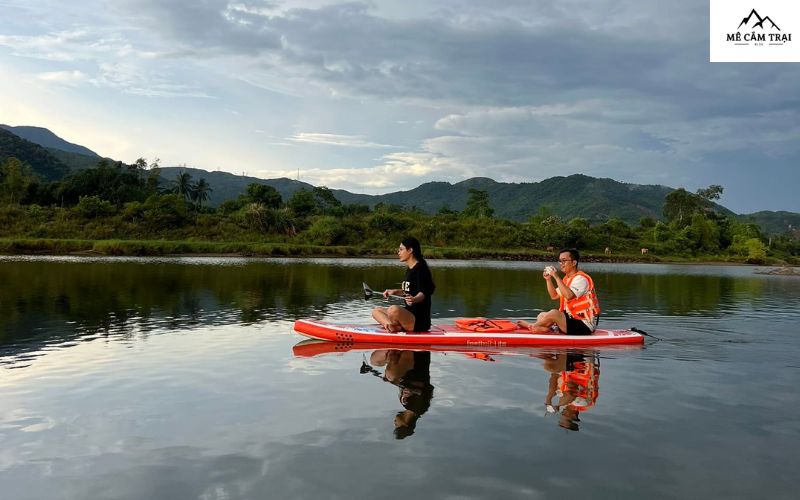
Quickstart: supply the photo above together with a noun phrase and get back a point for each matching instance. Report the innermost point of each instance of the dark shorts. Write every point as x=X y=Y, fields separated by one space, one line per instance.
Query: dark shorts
x=576 y=326
x=421 y=325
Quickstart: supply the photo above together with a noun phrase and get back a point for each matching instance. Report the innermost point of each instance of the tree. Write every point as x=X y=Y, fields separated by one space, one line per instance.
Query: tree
x=303 y=202
x=680 y=205
x=91 y=207
x=182 y=185
x=15 y=177
x=201 y=192
x=703 y=233
x=153 y=177
x=264 y=194
x=478 y=204
x=756 y=251
x=446 y=210
x=712 y=192
x=117 y=183
x=327 y=201
x=647 y=222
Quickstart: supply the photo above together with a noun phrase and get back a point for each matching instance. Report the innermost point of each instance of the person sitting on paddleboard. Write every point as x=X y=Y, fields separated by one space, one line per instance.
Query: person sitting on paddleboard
x=416 y=291
x=579 y=309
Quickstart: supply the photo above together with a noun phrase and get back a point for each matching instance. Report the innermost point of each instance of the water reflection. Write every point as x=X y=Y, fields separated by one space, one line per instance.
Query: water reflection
x=46 y=300
x=574 y=381
x=175 y=378
x=410 y=371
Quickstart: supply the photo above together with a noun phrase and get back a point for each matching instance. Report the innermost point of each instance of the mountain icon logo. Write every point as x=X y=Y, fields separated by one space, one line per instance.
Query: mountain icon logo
x=759 y=24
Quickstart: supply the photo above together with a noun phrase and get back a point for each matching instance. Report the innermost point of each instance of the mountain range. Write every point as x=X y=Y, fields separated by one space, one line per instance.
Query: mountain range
x=48 y=139
x=595 y=199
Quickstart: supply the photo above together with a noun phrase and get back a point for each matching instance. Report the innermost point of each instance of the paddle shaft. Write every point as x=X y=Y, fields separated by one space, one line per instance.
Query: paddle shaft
x=369 y=292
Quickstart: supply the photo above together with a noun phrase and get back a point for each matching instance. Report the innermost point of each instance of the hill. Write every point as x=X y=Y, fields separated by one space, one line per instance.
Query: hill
x=47 y=139
x=41 y=161
x=568 y=197
x=595 y=199
x=228 y=186
x=77 y=161
x=774 y=222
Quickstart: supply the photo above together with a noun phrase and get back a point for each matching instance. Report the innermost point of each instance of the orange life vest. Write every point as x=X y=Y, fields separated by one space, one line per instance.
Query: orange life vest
x=486 y=325
x=585 y=377
x=584 y=307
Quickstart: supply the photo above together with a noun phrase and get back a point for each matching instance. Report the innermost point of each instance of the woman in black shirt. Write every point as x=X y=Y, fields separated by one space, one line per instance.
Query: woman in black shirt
x=416 y=290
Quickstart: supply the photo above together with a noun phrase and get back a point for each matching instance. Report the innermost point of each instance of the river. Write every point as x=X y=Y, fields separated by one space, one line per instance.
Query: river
x=181 y=378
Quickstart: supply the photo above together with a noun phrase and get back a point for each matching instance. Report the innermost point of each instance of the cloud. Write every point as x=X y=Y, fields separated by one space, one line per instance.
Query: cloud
x=516 y=90
x=398 y=171
x=353 y=141
x=70 y=78
x=130 y=79
x=595 y=137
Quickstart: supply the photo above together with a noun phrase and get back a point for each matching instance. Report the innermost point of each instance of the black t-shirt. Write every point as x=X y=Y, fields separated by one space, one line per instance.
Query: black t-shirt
x=419 y=279
x=418 y=381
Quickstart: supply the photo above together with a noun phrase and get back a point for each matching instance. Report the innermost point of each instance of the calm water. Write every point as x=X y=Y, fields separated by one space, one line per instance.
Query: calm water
x=177 y=378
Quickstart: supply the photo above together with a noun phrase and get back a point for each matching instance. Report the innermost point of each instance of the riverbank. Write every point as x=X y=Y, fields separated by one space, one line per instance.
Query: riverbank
x=46 y=246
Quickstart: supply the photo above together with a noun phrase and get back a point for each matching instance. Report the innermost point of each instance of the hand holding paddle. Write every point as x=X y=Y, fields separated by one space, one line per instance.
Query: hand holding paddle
x=369 y=292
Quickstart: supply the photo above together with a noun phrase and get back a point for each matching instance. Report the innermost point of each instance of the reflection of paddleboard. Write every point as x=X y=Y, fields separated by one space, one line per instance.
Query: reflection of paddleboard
x=310 y=348
x=453 y=335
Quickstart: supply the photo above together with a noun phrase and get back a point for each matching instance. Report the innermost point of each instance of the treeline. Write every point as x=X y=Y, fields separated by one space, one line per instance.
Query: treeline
x=127 y=202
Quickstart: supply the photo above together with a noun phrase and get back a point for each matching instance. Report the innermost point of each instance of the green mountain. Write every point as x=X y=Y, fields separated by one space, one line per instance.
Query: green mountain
x=77 y=161
x=229 y=186
x=774 y=222
x=577 y=195
x=40 y=160
x=47 y=139
x=568 y=197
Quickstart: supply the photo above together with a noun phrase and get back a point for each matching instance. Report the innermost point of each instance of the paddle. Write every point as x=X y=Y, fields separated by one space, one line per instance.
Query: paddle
x=365 y=368
x=369 y=292
x=634 y=329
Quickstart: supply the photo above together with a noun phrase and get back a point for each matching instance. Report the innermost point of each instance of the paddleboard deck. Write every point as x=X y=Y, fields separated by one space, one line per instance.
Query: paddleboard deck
x=451 y=334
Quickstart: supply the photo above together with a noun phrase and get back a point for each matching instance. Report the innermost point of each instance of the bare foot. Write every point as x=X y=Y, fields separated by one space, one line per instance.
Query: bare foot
x=540 y=329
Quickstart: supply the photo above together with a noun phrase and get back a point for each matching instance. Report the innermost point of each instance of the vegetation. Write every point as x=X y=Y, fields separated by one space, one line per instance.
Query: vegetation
x=117 y=209
x=47 y=165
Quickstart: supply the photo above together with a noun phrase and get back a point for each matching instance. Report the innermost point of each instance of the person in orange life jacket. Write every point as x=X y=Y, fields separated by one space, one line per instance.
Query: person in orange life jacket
x=579 y=309
x=416 y=291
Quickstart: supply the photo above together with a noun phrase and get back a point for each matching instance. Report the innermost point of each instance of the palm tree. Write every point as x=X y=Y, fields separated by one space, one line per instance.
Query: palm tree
x=183 y=185
x=201 y=192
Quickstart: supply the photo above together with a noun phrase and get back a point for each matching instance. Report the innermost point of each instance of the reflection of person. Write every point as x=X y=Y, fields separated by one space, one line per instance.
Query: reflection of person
x=410 y=371
x=578 y=309
x=574 y=379
x=416 y=291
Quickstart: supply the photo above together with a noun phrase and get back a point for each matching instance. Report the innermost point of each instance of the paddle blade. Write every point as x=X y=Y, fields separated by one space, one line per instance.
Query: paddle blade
x=368 y=292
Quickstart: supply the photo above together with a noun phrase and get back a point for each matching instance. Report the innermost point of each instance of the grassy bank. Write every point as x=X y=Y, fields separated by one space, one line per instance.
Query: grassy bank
x=47 y=246
x=42 y=246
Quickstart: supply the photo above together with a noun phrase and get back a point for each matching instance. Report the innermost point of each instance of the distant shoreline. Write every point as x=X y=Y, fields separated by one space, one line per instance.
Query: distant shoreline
x=162 y=248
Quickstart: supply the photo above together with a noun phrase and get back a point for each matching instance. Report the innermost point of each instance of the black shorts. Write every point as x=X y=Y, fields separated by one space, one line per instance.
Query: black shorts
x=423 y=325
x=576 y=326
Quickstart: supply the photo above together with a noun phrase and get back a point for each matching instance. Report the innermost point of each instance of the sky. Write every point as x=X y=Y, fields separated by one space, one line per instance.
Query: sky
x=382 y=96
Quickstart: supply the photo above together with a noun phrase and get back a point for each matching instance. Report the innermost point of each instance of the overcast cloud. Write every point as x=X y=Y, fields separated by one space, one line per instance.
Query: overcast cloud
x=382 y=96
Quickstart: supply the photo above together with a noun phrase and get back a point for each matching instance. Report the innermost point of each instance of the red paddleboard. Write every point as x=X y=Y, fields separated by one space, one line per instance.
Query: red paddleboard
x=451 y=334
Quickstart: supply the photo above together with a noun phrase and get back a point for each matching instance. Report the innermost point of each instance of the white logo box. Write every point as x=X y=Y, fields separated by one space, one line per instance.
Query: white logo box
x=771 y=32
